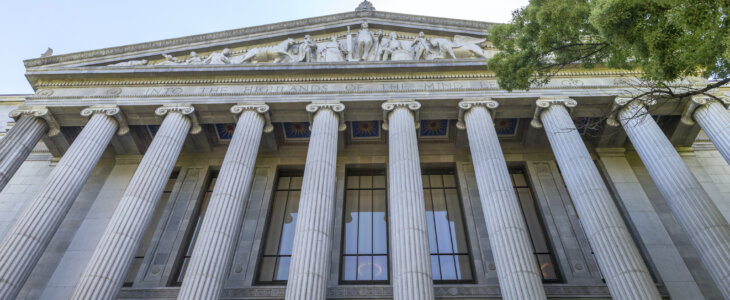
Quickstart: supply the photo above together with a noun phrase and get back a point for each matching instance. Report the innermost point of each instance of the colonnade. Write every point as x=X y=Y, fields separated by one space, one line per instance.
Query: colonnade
x=519 y=277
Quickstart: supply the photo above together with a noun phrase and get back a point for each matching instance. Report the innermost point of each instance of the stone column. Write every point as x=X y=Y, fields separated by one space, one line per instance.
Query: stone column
x=218 y=234
x=28 y=238
x=311 y=252
x=714 y=118
x=105 y=272
x=32 y=123
x=517 y=269
x=623 y=268
x=410 y=254
x=695 y=212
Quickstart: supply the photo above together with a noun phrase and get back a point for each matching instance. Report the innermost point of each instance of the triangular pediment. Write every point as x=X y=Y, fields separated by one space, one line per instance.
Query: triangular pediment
x=328 y=39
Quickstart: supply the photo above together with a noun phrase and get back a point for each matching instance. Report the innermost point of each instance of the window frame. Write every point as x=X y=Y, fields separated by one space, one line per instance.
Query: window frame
x=340 y=272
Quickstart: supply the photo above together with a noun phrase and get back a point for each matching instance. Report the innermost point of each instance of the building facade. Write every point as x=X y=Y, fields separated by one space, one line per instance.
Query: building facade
x=361 y=155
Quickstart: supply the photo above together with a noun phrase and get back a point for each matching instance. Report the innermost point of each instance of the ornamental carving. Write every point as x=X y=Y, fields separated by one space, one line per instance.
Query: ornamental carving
x=111 y=111
x=364 y=45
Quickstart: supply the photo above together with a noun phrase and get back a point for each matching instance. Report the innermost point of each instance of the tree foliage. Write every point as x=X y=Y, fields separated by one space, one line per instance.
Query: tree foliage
x=666 y=40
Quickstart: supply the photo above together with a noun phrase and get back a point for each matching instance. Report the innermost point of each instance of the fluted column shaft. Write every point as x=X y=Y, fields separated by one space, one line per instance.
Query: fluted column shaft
x=695 y=212
x=30 y=235
x=517 y=270
x=211 y=259
x=105 y=272
x=714 y=119
x=18 y=143
x=310 y=261
x=411 y=259
x=624 y=270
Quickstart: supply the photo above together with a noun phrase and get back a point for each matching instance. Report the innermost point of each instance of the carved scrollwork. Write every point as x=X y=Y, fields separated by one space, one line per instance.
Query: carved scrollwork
x=467 y=104
x=112 y=111
x=545 y=102
x=698 y=101
x=260 y=108
x=390 y=106
x=184 y=109
x=38 y=112
x=622 y=102
x=337 y=107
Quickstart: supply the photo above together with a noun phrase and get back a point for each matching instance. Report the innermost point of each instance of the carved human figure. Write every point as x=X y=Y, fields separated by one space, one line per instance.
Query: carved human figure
x=194 y=59
x=332 y=51
x=308 y=49
x=140 y=62
x=420 y=45
x=389 y=45
x=219 y=58
x=377 y=42
x=169 y=60
x=365 y=40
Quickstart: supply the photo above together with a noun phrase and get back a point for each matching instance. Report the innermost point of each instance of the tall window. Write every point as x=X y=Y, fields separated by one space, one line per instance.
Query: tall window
x=450 y=259
x=147 y=239
x=540 y=244
x=365 y=243
x=192 y=235
x=274 y=267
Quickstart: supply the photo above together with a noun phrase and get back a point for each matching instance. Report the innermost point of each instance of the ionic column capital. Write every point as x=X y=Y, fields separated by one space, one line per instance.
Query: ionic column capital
x=111 y=111
x=258 y=107
x=336 y=107
x=699 y=100
x=620 y=103
x=545 y=102
x=38 y=112
x=391 y=105
x=467 y=104
x=185 y=110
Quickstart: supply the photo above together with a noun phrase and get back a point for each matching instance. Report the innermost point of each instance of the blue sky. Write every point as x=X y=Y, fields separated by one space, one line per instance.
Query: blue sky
x=28 y=27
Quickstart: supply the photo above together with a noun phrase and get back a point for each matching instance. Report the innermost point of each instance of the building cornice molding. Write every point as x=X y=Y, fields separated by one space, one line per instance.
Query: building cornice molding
x=235 y=35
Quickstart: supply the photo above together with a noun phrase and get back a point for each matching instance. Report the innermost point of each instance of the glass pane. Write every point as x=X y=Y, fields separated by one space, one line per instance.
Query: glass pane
x=364 y=268
x=435 y=269
x=379 y=182
x=290 y=223
x=380 y=268
x=432 y=245
x=353 y=182
x=449 y=181
x=366 y=182
x=267 y=269
x=170 y=184
x=283 y=183
x=426 y=183
x=380 y=223
x=133 y=270
x=211 y=186
x=351 y=221
x=532 y=220
x=296 y=183
x=519 y=180
x=365 y=227
x=275 y=223
x=547 y=266
x=183 y=268
x=443 y=228
x=458 y=234
x=463 y=267
x=282 y=268
x=448 y=268
x=349 y=268
x=436 y=181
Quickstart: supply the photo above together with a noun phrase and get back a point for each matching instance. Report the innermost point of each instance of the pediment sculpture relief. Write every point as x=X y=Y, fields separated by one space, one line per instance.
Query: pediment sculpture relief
x=365 y=45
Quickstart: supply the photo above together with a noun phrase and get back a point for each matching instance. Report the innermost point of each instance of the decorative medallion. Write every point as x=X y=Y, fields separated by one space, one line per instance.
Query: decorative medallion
x=365 y=129
x=44 y=92
x=298 y=130
x=506 y=127
x=434 y=128
x=225 y=131
x=114 y=91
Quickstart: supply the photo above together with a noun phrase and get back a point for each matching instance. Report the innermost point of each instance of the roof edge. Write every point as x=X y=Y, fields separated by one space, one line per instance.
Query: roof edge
x=213 y=36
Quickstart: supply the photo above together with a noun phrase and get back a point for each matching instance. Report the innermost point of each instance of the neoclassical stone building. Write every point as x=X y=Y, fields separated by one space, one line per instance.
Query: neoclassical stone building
x=361 y=155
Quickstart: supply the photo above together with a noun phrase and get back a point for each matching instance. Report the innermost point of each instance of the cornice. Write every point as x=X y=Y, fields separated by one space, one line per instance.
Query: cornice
x=231 y=35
